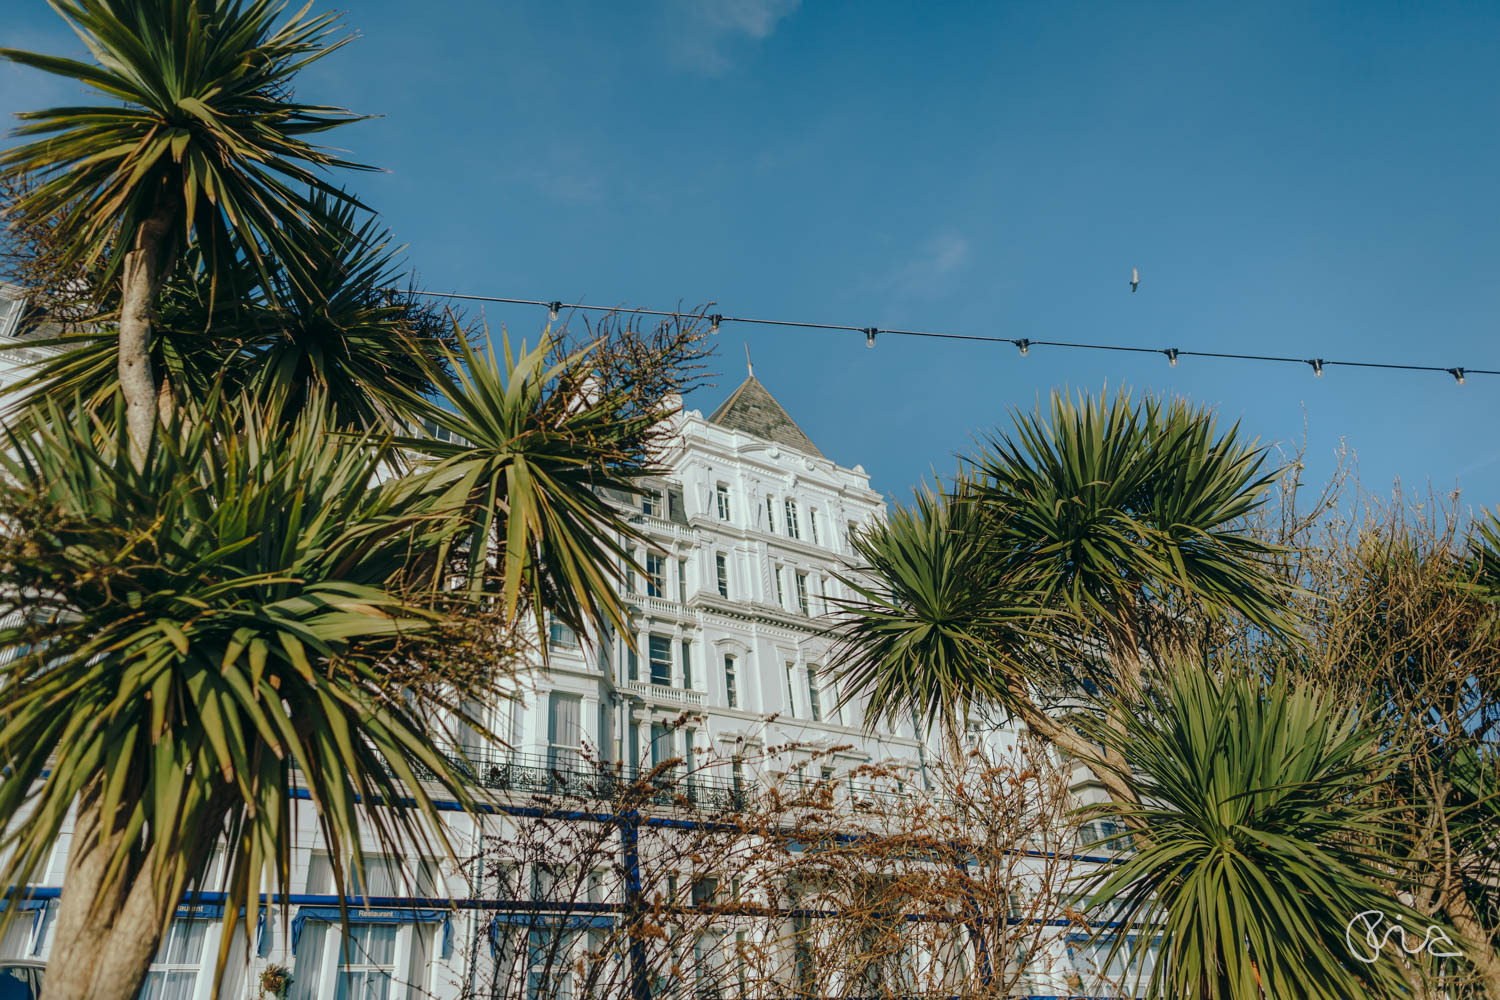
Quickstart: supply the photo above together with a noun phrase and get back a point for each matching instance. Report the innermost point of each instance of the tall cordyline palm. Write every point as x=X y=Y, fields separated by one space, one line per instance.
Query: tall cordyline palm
x=1262 y=802
x=201 y=140
x=1111 y=522
x=529 y=449
x=930 y=632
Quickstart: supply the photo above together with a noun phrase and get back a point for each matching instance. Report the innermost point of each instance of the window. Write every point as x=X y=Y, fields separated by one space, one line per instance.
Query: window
x=791 y=690
x=632 y=663
x=721 y=494
x=661 y=744
x=802 y=594
x=770 y=514
x=687 y=663
x=368 y=963
x=559 y=634
x=780 y=593
x=814 y=702
x=564 y=733
x=10 y=314
x=656 y=571
x=661 y=660
x=721 y=570
x=651 y=502
x=812 y=524
x=793 y=526
x=730 y=694
x=174 y=970
x=682 y=581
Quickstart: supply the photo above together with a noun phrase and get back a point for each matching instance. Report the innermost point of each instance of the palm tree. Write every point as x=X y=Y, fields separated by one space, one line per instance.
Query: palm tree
x=1118 y=525
x=1262 y=802
x=201 y=140
x=358 y=342
x=529 y=450
x=929 y=634
x=260 y=606
x=201 y=634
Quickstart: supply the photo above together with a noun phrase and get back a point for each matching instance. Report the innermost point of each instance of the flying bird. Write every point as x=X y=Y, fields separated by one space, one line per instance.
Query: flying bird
x=1135 y=279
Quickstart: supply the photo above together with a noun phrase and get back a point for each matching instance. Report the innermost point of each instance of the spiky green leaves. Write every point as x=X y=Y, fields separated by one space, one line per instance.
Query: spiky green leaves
x=1106 y=506
x=195 y=638
x=198 y=120
x=1260 y=801
x=939 y=632
x=532 y=449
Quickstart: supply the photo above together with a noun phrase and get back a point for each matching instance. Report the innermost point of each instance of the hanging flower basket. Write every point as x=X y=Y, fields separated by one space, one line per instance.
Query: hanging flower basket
x=275 y=981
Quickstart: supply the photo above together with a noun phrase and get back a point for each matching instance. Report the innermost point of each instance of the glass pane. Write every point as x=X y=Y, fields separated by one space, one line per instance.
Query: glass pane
x=365 y=985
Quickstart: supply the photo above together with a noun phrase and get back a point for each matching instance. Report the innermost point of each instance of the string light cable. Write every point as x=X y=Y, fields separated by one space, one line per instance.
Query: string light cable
x=555 y=308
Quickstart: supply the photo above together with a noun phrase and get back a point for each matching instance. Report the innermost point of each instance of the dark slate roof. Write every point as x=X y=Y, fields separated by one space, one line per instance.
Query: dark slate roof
x=751 y=408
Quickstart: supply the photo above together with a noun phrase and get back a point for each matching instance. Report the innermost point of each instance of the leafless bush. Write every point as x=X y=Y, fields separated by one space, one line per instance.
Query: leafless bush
x=685 y=884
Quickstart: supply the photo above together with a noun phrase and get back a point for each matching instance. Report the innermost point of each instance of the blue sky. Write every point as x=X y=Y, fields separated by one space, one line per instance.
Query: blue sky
x=1308 y=179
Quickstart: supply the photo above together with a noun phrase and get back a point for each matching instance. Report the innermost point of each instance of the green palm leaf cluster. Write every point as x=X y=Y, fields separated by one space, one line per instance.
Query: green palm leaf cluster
x=933 y=635
x=358 y=343
x=206 y=633
x=533 y=451
x=1088 y=533
x=1260 y=801
x=1122 y=513
x=198 y=121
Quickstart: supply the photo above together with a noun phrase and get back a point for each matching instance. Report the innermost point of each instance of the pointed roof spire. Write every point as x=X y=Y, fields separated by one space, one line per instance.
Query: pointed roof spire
x=748 y=366
x=752 y=409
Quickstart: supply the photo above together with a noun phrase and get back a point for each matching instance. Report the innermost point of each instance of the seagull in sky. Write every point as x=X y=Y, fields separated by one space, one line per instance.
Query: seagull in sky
x=1135 y=279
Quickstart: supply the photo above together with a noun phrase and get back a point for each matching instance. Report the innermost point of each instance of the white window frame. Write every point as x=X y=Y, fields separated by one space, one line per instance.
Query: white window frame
x=721 y=573
x=802 y=602
x=651 y=659
x=780 y=587
x=791 y=688
x=812 y=524
x=770 y=514
x=814 y=694
x=731 y=681
x=721 y=500
x=793 y=520
x=656 y=575
x=202 y=985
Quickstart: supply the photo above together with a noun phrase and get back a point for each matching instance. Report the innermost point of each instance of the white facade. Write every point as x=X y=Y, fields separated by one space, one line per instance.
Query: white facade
x=746 y=537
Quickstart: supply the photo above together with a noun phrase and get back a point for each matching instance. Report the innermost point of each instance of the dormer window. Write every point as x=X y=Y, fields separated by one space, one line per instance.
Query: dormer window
x=651 y=502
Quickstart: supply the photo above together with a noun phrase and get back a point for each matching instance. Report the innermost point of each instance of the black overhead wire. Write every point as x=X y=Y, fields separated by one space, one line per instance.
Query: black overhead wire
x=1024 y=344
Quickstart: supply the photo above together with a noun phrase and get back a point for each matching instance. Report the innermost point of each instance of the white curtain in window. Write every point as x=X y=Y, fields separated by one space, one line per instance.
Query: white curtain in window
x=308 y=963
x=564 y=730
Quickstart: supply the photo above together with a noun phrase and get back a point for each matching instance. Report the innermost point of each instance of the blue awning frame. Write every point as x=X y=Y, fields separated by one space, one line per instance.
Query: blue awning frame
x=396 y=915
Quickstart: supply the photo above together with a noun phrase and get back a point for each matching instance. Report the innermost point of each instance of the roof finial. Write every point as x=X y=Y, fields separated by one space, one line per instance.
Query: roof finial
x=748 y=366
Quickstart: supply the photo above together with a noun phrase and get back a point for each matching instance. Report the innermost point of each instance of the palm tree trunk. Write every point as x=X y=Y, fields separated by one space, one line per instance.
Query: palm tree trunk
x=104 y=941
x=1460 y=913
x=145 y=268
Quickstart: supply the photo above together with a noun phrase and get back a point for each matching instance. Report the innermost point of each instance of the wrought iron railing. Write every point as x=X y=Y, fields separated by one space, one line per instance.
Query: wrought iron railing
x=567 y=773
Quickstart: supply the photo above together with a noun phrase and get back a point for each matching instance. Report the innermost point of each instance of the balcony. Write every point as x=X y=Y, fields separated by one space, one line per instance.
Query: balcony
x=662 y=694
x=572 y=775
